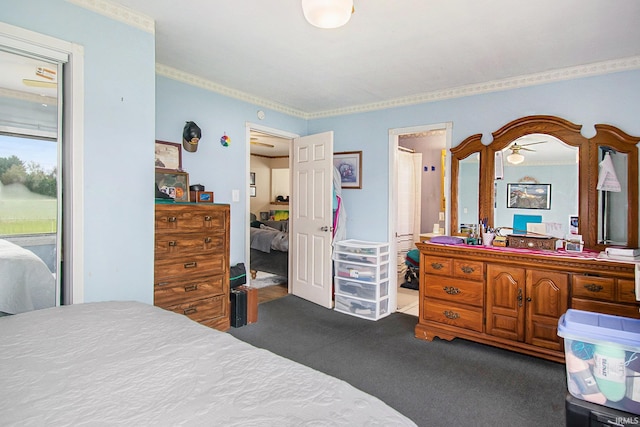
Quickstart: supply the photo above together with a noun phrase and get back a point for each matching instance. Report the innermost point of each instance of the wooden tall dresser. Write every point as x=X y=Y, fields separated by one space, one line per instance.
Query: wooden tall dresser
x=191 y=269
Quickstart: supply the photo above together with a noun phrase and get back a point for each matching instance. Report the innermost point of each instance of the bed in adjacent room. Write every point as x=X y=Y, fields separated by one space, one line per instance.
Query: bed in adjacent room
x=130 y=363
x=269 y=244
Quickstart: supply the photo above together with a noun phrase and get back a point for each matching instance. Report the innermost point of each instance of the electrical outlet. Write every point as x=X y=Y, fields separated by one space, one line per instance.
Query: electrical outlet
x=441 y=217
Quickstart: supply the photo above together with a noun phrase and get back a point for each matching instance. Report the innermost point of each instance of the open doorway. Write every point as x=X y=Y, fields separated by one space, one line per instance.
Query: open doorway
x=269 y=195
x=418 y=202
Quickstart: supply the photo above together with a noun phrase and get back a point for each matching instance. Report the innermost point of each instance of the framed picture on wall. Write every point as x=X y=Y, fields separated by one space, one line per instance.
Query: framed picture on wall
x=174 y=183
x=252 y=191
x=252 y=178
x=168 y=155
x=349 y=164
x=529 y=196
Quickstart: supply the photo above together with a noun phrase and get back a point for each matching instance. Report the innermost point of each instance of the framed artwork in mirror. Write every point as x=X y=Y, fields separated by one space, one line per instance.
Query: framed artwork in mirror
x=168 y=155
x=349 y=164
x=529 y=196
x=252 y=191
x=252 y=178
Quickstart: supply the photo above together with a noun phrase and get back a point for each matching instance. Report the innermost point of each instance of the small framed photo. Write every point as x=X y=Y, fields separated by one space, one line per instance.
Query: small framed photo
x=529 y=196
x=349 y=165
x=252 y=178
x=252 y=191
x=174 y=183
x=574 y=224
x=168 y=155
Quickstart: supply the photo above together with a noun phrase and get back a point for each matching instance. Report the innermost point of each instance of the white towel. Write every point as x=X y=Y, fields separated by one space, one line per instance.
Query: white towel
x=607 y=179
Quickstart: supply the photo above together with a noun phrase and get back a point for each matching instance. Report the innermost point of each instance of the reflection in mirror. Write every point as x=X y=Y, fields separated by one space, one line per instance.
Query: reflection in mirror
x=538 y=159
x=468 y=185
x=467 y=171
x=612 y=197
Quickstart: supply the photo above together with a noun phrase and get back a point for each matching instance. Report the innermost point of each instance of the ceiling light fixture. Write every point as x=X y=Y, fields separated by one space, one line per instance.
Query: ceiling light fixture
x=515 y=158
x=327 y=13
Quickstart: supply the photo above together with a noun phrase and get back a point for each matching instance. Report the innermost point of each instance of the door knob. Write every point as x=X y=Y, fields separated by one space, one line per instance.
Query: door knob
x=326 y=228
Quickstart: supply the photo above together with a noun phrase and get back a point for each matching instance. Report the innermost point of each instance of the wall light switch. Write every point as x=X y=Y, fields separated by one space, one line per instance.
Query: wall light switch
x=235 y=195
x=441 y=216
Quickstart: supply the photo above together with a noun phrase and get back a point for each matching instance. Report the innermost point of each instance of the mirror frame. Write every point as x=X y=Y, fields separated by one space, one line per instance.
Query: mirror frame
x=570 y=134
x=469 y=146
x=610 y=136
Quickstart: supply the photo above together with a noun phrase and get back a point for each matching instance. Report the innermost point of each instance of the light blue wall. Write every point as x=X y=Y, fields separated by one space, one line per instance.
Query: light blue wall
x=220 y=169
x=127 y=107
x=119 y=130
x=611 y=99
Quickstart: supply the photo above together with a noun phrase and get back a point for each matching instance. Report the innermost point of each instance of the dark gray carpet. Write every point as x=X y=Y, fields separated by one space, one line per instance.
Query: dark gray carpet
x=456 y=383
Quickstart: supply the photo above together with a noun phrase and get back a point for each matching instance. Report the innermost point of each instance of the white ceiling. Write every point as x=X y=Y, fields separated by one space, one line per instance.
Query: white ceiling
x=391 y=52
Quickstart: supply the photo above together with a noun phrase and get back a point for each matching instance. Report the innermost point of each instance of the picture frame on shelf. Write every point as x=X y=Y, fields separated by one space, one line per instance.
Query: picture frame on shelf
x=173 y=183
x=529 y=196
x=168 y=156
x=349 y=165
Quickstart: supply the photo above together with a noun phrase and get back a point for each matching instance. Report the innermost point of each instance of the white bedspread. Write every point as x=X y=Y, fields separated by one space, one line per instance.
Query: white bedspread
x=25 y=280
x=133 y=364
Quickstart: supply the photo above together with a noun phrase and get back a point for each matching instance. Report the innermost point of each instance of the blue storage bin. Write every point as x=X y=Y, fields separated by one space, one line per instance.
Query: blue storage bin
x=602 y=358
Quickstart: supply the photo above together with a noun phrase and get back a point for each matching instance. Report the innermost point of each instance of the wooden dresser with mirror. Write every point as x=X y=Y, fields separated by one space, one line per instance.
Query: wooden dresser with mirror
x=514 y=298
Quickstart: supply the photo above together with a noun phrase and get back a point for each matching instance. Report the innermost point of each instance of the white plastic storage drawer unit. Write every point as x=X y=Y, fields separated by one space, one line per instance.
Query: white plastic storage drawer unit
x=364 y=290
x=362 y=278
x=372 y=310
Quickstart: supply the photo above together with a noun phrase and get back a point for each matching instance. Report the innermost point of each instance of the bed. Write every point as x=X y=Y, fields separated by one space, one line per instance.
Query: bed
x=26 y=283
x=269 y=247
x=130 y=363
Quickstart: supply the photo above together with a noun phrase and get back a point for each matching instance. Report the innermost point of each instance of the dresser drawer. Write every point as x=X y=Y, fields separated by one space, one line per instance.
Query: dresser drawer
x=593 y=287
x=453 y=314
x=627 y=291
x=204 y=309
x=437 y=265
x=172 y=292
x=456 y=290
x=188 y=219
x=200 y=265
x=175 y=245
x=606 y=307
x=468 y=269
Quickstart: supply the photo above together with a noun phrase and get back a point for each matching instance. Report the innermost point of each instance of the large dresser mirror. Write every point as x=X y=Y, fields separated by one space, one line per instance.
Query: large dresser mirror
x=543 y=167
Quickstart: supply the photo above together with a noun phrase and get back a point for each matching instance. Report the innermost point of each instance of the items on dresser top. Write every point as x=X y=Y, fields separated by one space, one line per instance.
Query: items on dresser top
x=192 y=261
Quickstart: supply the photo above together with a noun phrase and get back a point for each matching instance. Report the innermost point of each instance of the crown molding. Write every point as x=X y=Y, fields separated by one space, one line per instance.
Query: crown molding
x=145 y=23
x=118 y=13
x=191 y=79
x=570 y=73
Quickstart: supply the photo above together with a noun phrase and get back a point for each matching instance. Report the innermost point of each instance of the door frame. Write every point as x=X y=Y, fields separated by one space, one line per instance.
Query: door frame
x=249 y=126
x=71 y=135
x=394 y=135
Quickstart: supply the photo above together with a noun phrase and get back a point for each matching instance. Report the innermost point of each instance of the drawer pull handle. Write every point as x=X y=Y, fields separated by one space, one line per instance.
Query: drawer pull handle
x=190 y=288
x=451 y=314
x=519 y=297
x=451 y=290
x=593 y=287
x=190 y=310
x=172 y=219
x=163 y=283
x=467 y=270
x=173 y=243
x=436 y=266
x=207 y=218
x=190 y=264
x=207 y=239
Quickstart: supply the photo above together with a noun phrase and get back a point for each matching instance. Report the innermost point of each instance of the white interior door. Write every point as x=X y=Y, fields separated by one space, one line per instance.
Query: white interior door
x=408 y=207
x=311 y=212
